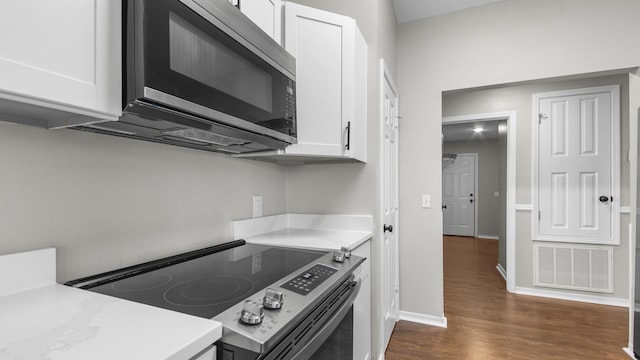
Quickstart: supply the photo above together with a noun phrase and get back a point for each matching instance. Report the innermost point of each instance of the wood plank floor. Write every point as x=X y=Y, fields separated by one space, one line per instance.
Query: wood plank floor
x=486 y=322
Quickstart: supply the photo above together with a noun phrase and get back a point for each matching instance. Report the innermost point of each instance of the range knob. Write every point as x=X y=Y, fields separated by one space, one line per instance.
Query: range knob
x=252 y=312
x=273 y=299
x=346 y=251
x=339 y=256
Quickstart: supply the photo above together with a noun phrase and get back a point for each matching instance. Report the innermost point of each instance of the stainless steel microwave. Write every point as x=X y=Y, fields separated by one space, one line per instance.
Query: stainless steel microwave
x=199 y=73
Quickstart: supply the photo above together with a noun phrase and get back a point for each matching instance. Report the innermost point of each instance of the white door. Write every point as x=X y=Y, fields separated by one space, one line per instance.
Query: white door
x=459 y=197
x=389 y=271
x=575 y=167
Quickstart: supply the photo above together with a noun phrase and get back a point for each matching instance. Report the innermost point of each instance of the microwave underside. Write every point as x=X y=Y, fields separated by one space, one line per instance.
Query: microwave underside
x=141 y=121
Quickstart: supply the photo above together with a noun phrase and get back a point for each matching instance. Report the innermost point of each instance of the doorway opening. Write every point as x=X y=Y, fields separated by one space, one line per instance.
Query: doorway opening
x=501 y=196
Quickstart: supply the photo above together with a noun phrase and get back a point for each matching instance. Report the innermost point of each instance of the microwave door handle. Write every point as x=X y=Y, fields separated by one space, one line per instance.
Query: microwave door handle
x=323 y=334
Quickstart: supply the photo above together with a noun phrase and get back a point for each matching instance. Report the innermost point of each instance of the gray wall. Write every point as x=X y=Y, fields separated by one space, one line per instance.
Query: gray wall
x=105 y=202
x=499 y=43
x=487 y=171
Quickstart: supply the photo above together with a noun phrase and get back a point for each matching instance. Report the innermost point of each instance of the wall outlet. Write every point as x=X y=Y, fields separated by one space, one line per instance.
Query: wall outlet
x=257 y=206
x=496 y=194
x=426 y=201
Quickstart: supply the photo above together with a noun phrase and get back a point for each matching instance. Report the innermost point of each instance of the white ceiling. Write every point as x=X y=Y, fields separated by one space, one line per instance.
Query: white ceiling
x=464 y=131
x=409 y=10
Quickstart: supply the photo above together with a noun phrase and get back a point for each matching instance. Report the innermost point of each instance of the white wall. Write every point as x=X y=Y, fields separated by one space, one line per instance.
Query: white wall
x=505 y=42
x=106 y=202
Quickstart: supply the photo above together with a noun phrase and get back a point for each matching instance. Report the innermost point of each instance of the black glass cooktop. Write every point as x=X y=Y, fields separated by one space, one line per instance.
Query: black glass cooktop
x=206 y=286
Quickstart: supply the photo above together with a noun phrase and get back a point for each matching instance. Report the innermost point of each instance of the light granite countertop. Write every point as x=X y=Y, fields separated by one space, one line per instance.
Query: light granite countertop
x=45 y=320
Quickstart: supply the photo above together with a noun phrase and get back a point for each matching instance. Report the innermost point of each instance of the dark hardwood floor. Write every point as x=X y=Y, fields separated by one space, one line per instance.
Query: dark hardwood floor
x=486 y=322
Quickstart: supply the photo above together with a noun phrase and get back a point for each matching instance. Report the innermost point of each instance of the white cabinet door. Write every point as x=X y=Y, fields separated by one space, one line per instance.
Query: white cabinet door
x=210 y=354
x=267 y=14
x=62 y=54
x=331 y=73
x=362 y=306
x=317 y=40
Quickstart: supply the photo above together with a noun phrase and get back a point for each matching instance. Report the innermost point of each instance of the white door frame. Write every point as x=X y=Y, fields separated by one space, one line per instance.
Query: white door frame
x=510 y=117
x=475 y=191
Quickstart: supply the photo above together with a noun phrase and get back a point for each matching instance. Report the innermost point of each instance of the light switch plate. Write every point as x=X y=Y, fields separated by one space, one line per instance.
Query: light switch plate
x=257 y=206
x=426 y=201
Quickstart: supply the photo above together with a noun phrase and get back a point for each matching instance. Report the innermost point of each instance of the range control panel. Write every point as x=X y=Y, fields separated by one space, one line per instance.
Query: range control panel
x=310 y=279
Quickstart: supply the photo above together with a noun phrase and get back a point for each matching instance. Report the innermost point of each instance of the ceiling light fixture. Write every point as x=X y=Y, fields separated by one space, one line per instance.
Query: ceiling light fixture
x=478 y=130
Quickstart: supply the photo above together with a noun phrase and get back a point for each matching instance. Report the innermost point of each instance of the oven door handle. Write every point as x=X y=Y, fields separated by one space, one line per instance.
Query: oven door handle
x=323 y=334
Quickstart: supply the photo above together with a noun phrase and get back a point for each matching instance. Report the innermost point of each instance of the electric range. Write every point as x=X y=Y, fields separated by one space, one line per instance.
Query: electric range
x=274 y=303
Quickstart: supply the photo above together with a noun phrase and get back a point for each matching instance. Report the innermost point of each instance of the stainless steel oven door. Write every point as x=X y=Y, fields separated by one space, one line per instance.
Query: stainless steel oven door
x=335 y=339
x=339 y=345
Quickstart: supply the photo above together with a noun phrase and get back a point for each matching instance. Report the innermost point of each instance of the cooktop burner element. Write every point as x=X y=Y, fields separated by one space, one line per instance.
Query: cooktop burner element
x=142 y=282
x=208 y=291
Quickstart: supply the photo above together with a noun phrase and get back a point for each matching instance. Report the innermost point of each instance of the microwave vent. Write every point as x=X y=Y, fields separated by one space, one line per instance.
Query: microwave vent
x=204 y=136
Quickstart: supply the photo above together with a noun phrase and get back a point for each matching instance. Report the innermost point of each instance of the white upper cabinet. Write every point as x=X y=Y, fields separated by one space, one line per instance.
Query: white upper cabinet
x=267 y=14
x=331 y=70
x=331 y=86
x=61 y=56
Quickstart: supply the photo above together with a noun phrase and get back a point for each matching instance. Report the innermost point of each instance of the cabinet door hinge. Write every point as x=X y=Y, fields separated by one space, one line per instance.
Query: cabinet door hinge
x=541 y=117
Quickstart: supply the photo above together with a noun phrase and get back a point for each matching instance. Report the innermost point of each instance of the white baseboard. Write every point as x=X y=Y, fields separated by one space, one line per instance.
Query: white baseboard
x=629 y=351
x=424 y=319
x=573 y=297
x=502 y=271
x=489 y=237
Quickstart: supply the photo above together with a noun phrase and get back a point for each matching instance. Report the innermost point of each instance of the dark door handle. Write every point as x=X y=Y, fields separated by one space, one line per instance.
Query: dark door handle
x=603 y=199
x=348 y=145
x=471 y=200
x=444 y=206
x=388 y=228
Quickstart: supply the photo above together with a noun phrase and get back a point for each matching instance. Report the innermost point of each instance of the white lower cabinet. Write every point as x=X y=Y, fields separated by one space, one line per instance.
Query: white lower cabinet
x=331 y=86
x=362 y=306
x=63 y=56
x=209 y=354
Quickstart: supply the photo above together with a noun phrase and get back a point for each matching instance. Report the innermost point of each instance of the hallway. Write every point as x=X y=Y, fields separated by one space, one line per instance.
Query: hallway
x=486 y=322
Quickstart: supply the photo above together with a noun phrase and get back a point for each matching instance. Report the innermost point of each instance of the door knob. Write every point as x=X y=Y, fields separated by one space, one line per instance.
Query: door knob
x=444 y=206
x=388 y=228
x=603 y=199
